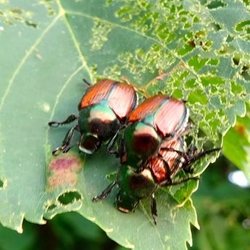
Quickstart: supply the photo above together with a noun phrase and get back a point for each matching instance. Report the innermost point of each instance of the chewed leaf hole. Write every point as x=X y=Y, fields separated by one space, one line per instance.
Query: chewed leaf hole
x=3 y=184
x=51 y=207
x=216 y=4
x=31 y=24
x=69 y=197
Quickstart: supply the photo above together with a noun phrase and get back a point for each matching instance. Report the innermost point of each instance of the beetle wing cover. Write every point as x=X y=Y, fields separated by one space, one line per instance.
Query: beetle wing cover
x=167 y=162
x=170 y=156
x=122 y=99
x=96 y=93
x=172 y=117
x=147 y=108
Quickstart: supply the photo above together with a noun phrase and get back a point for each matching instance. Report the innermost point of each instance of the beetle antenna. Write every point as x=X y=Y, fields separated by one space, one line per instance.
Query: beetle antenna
x=178 y=182
x=88 y=83
x=191 y=157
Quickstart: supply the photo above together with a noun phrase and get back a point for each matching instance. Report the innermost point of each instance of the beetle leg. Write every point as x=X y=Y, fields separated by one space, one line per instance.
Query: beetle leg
x=181 y=154
x=66 y=141
x=111 y=144
x=168 y=170
x=105 y=192
x=122 y=152
x=70 y=119
x=192 y=157
x=153 y=208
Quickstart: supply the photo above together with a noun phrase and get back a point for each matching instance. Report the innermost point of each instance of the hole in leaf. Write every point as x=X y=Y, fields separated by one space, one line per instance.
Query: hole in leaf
x=230 y=39
x=31 y=24
x=236 y=60
x=216 y=26
x=245 y=68
x=216 y=4
x=1 y=184
x=51 y=207
x=69 y=197
x=245 y=72
x=243 y=26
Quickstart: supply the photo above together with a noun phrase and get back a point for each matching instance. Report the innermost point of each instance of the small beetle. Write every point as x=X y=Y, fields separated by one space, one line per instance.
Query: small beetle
x=156 y=119
x=103 y=110
x=158 y=172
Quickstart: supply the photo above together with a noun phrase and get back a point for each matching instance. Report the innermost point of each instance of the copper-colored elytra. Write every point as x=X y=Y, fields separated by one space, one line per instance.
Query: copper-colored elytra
x=96 y=93
x=171 y=116
x=146 y=108
x=121 y=97
x=166 y=155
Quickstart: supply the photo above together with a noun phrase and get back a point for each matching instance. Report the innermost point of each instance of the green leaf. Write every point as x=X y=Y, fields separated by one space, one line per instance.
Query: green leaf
x=47 y=47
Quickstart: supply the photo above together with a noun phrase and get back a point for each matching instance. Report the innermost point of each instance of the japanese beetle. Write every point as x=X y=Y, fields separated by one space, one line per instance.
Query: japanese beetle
x=103 y=110
x=158 y=172
x=156 y=119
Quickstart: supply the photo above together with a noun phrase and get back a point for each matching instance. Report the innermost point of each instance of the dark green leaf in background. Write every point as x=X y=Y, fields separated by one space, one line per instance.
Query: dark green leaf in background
x=47 y=47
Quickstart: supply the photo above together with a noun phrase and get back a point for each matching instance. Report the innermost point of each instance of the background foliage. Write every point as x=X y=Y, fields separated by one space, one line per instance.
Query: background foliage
x=47 y=47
